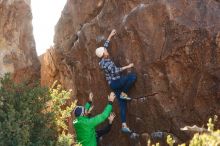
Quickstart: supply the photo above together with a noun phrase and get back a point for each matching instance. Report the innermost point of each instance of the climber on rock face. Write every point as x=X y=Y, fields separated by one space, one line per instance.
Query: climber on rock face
x=119 y=84
x=84 y=125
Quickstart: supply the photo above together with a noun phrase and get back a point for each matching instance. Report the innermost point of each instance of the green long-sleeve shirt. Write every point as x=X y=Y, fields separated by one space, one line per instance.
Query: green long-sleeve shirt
x=85 y=127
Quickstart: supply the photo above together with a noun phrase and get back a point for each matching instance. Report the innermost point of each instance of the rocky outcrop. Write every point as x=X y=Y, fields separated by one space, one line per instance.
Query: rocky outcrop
x=17 y=46
x=175 y=46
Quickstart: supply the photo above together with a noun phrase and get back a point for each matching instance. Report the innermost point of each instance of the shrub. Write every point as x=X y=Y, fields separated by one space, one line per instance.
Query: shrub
x=22 y=121
x=210 y=136
x=31 y=115
x=62 y=111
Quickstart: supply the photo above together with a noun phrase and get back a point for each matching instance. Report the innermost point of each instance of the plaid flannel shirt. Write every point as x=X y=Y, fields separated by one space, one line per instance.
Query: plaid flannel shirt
x=112 y=72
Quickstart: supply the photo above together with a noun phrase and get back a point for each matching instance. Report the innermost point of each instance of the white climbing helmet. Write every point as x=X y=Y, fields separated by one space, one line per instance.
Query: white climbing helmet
x=100 y=51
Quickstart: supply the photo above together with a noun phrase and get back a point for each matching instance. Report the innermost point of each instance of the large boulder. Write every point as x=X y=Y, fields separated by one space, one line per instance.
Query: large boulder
x=17 y=46
x=175 y=46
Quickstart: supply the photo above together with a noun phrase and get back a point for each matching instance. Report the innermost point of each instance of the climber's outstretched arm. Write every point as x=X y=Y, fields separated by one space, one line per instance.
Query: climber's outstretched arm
x=111 y=34
x=106 y=44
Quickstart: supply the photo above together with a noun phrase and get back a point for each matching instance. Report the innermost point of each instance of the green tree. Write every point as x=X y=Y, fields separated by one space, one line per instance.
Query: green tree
x=23 y=121
x=31 y=115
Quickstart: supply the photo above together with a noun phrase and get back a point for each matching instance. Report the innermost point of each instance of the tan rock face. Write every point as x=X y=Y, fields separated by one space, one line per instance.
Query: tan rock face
x=173 y=44
x=17 y=45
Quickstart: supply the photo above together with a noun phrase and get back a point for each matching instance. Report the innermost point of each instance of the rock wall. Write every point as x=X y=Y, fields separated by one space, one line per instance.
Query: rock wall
x=175 y=46
x=17 y=46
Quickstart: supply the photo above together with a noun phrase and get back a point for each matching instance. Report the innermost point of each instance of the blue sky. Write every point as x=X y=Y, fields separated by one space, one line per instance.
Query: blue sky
x=46 y=14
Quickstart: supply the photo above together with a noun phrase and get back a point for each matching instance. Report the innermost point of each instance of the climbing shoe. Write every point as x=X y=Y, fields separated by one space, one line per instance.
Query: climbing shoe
x=126 y=130
x=124 y=96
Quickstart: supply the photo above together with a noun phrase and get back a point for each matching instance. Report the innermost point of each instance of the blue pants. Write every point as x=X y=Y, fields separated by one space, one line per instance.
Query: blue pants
x=123 y=85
